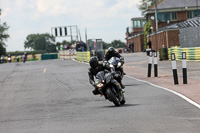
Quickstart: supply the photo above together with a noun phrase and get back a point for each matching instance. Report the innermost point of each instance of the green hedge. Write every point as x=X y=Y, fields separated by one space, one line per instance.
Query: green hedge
x=28 y=52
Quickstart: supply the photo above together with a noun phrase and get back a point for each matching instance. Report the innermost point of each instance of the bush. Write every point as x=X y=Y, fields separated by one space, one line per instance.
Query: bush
x=28 y=52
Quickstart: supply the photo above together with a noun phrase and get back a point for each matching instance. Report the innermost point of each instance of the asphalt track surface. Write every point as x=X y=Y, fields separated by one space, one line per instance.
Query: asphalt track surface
x=55 y=96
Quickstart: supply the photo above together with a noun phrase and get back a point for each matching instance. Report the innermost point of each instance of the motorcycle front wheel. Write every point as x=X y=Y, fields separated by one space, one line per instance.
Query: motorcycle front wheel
x=112 y=97
x=123 y=101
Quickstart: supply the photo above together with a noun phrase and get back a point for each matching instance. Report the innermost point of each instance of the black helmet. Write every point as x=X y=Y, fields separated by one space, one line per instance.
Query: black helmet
x=93 y=62
x=111 y=50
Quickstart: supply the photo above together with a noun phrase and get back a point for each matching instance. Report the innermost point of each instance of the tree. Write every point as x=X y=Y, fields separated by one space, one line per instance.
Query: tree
x=40 y=42
x=118 y=44
x=144 y=4
x=3 y=37
x=106 y=45
x=147 y=30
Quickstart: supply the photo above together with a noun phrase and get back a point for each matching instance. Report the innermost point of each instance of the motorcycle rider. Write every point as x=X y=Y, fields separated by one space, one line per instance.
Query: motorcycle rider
x=96 y=67
x=112 y=53
x=9 y=58
x=24 y=57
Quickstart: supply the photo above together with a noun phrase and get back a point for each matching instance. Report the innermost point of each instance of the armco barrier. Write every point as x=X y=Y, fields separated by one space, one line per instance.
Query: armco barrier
x=83 y=56
x=192 y=53
x=49 y=56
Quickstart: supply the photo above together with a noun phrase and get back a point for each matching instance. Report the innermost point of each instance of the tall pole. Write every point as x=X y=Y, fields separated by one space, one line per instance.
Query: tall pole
x=0 y=15
x=80 y=35
x=71 y=34
x=86 y=35
x=156 y=17
x=197 y=8
x=156 y=21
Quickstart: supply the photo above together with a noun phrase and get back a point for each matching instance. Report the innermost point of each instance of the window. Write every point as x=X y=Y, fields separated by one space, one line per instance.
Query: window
x=144 y=22
x=164 y=17
x=196 y=13
x=174 y=16
x=137 y=23
x=189 y=14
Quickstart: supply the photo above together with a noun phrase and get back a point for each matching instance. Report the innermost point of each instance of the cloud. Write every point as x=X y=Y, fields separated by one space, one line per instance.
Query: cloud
x=5 y=12
x=85 y=8
x=106 y=19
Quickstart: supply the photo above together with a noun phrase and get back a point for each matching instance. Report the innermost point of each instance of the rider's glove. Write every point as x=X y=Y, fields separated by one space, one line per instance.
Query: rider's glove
x=122 y=60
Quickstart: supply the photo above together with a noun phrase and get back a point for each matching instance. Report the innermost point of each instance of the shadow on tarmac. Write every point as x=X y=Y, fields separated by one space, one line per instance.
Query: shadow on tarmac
x=122 y=106
x=132 y=85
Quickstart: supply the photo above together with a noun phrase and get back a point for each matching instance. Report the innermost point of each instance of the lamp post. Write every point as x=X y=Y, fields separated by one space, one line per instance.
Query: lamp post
x=156 y=17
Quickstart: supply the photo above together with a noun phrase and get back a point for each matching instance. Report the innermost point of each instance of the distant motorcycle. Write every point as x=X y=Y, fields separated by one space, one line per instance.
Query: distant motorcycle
x=2 y=59
x=9 y=59
x=108 y=89
x=24 y=59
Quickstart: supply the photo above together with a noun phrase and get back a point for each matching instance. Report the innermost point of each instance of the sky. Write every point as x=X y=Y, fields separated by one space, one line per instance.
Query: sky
x=105 y=19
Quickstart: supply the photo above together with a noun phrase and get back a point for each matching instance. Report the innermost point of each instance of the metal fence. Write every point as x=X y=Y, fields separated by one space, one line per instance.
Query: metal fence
x=190 y=37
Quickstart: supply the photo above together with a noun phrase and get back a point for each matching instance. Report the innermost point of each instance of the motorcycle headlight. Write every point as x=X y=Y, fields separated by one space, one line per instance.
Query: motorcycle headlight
x=111 y=65
x=99 y=85
x=119 y=64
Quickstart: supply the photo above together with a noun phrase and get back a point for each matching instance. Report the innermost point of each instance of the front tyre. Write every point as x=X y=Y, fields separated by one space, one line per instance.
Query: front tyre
x=123 y=101
x=112 y=97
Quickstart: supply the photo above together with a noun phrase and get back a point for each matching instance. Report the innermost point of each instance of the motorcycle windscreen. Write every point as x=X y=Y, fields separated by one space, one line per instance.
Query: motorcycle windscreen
x=100 y=76
x=114 y=61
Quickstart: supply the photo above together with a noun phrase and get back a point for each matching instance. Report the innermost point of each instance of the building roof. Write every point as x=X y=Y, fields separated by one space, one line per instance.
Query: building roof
x=139 y=18
x=173 y=26
x=167 y=4
x=195 y=22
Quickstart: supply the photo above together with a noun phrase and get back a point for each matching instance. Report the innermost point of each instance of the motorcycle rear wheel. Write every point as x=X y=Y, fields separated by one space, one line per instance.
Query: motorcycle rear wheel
x=112 y=97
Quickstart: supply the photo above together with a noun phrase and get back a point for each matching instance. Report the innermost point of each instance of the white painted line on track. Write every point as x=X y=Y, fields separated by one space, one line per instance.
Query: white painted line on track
x=44 y=70
x=174 y=92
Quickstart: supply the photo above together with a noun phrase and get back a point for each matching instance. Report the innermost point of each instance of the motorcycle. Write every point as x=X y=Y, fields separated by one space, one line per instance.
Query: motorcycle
x=108 y=89
x=9 y=59
x=24 y=59
x=116 y=66
x=2 y=59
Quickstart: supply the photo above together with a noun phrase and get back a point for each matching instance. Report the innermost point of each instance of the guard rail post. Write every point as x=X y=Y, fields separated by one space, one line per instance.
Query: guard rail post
x=184 y=68
x=149 y=64
x=174 y=68
x=155 y=65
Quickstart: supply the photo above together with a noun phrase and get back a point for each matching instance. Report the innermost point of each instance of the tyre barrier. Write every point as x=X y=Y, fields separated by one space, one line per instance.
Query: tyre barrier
x=192 y=53
x=83 y=56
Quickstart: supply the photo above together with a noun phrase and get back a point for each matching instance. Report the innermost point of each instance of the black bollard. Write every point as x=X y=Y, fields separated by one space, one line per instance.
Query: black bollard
x=184 y=68
x=174 y=68
x=155 y=65
x=149 y=64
